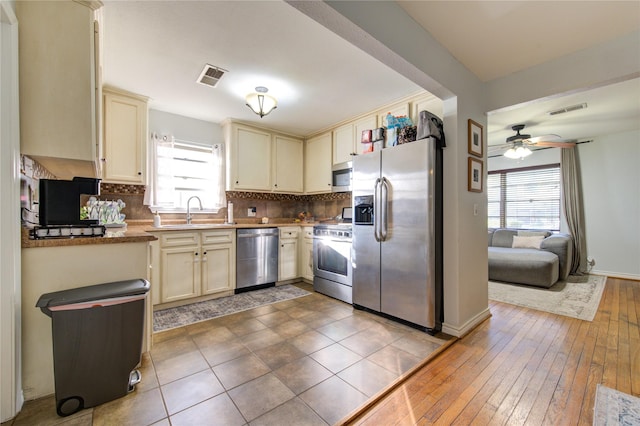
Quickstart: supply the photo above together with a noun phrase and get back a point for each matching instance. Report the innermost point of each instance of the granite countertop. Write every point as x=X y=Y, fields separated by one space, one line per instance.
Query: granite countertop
x=143 y=231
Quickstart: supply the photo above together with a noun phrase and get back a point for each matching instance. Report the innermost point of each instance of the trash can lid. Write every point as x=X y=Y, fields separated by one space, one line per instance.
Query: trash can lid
x=94 y=292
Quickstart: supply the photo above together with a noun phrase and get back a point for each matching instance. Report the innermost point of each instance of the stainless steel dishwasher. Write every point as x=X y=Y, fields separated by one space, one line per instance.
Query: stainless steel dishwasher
x=256 y=258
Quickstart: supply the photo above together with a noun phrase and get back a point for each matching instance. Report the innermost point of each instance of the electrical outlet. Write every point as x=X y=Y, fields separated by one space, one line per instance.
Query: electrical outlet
x=591 y=261
x=251 y=212
x=475 y=210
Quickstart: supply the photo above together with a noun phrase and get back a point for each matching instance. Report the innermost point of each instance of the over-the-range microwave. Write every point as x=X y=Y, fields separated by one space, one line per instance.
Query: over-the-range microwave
x=341 y=177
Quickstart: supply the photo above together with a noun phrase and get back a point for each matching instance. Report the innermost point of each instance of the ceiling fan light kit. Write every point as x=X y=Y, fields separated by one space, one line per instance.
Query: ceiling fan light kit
x=261 y=103
x=519 y=143
x=517 y=153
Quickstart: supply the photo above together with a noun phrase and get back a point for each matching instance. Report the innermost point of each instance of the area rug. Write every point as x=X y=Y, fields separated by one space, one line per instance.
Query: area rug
x=201 y=311
x=576 y=297
x=613 y=407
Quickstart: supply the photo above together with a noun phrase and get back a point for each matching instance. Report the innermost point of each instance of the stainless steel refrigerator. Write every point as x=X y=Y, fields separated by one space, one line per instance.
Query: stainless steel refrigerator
x=397 y=233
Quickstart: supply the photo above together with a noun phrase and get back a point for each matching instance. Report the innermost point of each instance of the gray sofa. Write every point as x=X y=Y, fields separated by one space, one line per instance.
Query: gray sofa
x=512 y=260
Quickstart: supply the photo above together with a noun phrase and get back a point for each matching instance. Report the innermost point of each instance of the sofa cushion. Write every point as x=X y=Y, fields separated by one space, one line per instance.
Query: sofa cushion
x=523 y=266
x=503 y=237
x=532 y=242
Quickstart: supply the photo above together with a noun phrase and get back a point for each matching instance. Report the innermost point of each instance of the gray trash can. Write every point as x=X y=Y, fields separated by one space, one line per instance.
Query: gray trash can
x=97 y=342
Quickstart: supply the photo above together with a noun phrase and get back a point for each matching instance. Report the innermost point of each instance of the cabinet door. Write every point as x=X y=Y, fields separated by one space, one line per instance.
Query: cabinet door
x=306 y=257
x=288 y=259
x=397 y=111
x=57 y=80
x=217 y=268
x=125 y=138
x=366 y=123
x=251 y=159
x=180 y=273
x=288 y=162
x=317 y=164
x=343 y=143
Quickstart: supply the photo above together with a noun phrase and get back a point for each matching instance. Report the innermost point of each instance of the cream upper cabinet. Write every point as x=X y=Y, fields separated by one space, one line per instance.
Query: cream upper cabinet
x=395 y=110
x=317 y=164
x=59 y=80
x=125 y=137
x=343 y=143
x=366 y=123
x=348 y=137
x=287 y=164
x=248 y=158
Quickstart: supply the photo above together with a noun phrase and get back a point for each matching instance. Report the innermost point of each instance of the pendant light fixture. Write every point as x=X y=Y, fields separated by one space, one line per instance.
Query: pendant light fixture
x=261 y=103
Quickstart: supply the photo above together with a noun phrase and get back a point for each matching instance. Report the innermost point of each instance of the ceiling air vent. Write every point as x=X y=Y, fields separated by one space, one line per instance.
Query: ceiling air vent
x=568 y=109
x=210 y=75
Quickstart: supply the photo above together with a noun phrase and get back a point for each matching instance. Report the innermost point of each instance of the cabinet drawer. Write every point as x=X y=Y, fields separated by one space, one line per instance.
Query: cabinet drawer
x=174 y=239
x=289 y=232
x=218 y=237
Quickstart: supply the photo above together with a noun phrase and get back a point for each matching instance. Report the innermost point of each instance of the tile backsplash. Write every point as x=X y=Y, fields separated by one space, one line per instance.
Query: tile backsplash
x=277 y=207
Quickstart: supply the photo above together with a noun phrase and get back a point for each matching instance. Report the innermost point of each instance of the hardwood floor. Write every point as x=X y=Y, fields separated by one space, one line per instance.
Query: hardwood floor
x=524 y=367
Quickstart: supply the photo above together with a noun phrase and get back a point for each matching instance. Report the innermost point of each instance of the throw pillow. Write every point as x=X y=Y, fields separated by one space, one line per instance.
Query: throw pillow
x=533 y=233
x=527 y=242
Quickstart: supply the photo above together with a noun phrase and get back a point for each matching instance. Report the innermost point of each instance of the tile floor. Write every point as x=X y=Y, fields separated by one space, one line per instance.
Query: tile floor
x=305 y=361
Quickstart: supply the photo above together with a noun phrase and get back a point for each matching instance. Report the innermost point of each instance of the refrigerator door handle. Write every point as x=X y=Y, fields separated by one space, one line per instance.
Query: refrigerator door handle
x=384 y=206
x=376 y=207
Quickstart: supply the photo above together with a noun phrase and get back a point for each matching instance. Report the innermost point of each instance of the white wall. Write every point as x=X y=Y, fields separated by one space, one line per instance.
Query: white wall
x=610 y=168
x=184 y=128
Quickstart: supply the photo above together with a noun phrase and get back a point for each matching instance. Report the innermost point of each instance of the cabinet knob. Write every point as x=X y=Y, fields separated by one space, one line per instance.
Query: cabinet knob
x=237 y=182
x=139 y=173
x=104 y=160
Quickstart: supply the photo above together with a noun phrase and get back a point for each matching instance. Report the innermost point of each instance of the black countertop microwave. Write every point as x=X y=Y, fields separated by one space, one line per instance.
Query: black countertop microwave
x=341 y=174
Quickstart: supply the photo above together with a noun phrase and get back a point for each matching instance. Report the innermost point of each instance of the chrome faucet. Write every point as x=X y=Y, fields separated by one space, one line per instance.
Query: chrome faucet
x=188 y=210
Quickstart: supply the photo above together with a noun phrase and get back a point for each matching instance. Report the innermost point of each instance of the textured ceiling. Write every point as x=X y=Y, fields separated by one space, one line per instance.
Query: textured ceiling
x=158 y=48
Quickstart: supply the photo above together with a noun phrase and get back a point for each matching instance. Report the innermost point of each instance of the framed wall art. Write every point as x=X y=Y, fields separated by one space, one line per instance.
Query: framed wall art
x=476 y=138
x=475 y=175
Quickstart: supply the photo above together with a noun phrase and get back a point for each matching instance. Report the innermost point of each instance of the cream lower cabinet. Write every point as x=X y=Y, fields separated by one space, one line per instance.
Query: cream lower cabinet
x=218 y=261
x=288 y=253
x=306 y=253
x=194 y=264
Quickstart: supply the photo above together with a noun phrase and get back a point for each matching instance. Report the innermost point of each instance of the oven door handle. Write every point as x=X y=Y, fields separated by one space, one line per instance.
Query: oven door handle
x=376 y=206
x=332 y=240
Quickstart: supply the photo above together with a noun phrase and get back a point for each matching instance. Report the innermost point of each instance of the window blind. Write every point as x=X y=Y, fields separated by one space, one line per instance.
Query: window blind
x=185 y=169
x=527 y=198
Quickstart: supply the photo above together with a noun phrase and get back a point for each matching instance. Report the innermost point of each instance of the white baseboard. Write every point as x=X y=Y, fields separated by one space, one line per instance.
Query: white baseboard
x=616 y=275
x=466 y=327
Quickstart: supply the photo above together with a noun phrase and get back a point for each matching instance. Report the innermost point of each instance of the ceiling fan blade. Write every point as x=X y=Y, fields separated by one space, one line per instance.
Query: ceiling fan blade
x=496 y=148
x=549 y=137
x=556 y=144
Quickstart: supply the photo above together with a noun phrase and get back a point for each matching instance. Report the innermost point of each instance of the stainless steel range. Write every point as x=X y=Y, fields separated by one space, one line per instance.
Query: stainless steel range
x=332 y=260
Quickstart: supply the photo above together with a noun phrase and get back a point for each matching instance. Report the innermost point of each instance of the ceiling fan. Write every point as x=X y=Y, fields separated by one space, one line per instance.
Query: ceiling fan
x=518 y=145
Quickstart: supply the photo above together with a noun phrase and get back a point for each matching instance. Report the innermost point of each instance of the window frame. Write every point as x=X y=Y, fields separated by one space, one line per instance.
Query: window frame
x=503 y=195
x=161 y=207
